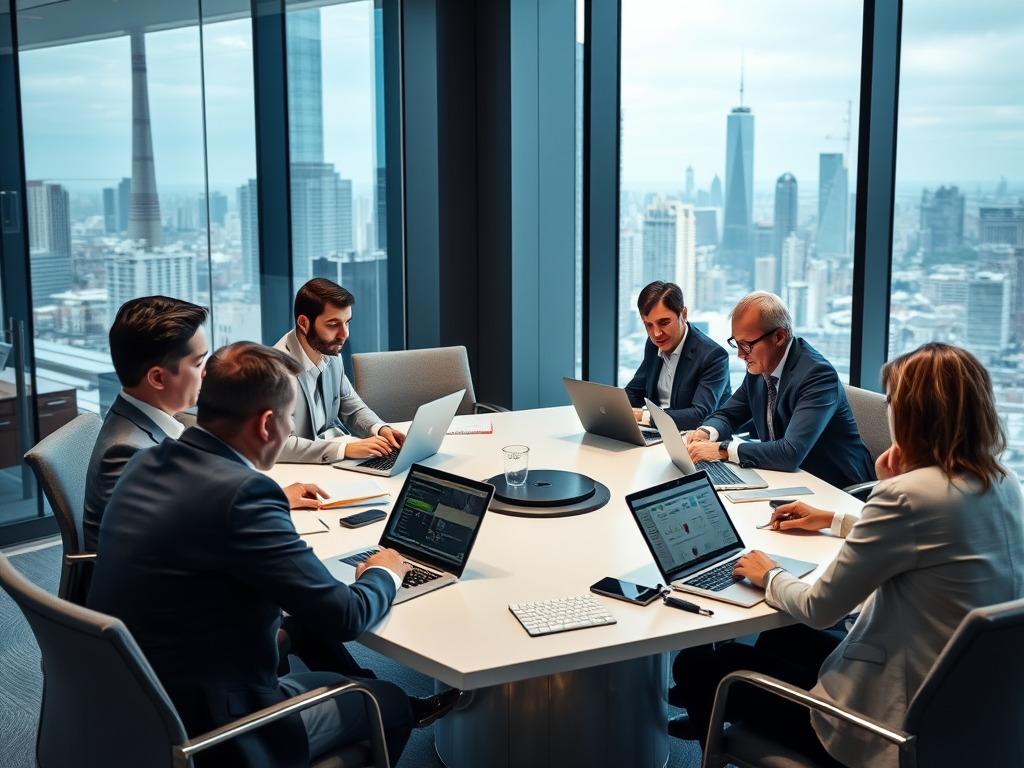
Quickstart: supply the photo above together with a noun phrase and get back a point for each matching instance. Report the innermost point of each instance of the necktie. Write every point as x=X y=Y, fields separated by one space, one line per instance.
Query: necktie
x=772 y=394
x=318 y=402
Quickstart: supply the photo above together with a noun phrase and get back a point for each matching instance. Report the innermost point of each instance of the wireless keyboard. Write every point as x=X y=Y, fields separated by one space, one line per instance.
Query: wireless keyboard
x=549 y=616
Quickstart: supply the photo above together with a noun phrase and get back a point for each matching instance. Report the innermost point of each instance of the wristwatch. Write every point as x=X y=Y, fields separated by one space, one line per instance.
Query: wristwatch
x=723 y=446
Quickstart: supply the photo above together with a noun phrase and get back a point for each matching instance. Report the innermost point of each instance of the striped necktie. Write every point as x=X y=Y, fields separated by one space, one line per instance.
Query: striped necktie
x=772 y=394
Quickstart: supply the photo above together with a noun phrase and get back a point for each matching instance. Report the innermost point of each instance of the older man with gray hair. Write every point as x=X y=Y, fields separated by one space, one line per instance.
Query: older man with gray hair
x=793 y=396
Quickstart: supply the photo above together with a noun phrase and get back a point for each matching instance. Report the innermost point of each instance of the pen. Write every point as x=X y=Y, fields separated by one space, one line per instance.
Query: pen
x=685 y=605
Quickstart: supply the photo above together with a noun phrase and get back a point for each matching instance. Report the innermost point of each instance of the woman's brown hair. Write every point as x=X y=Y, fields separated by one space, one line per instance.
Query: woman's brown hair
x=944 y=412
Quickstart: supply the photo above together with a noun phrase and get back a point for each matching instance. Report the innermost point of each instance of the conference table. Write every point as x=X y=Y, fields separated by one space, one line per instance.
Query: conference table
x=591 y=697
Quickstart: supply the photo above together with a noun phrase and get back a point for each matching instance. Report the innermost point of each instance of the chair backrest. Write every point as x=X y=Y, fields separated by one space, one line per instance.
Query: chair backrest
x=970 y=708
x=869 y=411
x=102 y=703
x=395 y=384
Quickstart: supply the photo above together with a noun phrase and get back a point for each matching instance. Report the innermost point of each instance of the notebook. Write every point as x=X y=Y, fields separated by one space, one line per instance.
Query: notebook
x=606 y=411
x=694 y=541
x=433 y=525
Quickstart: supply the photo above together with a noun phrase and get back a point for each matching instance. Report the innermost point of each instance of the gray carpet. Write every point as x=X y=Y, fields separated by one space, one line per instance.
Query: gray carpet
x=21 y=681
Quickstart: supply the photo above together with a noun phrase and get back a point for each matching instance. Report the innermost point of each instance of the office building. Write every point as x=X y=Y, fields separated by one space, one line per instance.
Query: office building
x=762 y=239
x=706 y=226
x=739 y=188
x=1001 y=224
x=946 y=288
x=49 y=218
x=987 y=331
x=631 y=276
x=786 y=209
x=833 y=202
x=249 y=224
x=817 y=279
x=689 y=185
x=51 y=273
x=792 y=263
x=144 y=223
x=765 y=275
x=669 y=244
x=136 y=272
x=715 y=196
x=217 y=209
x=797 y=297
x=110 y=210
x=124 y=195
x=366 y=278
x=942 y=220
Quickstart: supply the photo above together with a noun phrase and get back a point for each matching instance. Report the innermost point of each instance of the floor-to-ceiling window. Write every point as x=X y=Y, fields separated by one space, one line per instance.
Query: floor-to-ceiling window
x=958 y=240
x=739 y=138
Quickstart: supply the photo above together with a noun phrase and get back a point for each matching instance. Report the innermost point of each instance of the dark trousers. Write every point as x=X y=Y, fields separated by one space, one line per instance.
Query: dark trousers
x=317 y=652
x=792 y=654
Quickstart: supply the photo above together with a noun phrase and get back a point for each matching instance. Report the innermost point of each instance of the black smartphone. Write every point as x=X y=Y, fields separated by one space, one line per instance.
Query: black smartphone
x=776 y=503
x=626 y=590
x=360 y=519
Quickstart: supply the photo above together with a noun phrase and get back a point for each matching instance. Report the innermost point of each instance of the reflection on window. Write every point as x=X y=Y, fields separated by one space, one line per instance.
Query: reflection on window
x=958 y=235
x=738 y=163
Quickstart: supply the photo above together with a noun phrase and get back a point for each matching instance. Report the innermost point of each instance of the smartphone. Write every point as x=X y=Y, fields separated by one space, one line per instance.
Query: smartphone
x=359 y=519
x=776 y=503
x=626 y=590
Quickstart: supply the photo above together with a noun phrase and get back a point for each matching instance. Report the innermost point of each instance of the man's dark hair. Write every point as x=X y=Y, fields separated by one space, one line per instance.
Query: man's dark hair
x=314 y=296
x=670 y=294
x=151 y=331
x=244 y=380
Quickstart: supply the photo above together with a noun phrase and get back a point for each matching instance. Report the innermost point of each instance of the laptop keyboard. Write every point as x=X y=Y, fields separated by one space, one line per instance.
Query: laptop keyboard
x=549 y=616
x=359 y=557
x=417 y=576
x=380 y=462
x=650 y=435
x=719 y=473
x=717 y=579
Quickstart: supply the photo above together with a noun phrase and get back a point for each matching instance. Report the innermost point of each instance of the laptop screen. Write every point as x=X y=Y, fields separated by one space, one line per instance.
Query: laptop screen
x=685 y=524
x=437 y=517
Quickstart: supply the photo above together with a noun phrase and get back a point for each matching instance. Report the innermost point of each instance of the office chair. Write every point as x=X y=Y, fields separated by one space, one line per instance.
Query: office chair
x=870 y=412
x=103 y=705
x=967 y=711
x=395 y=384
x=60 y=463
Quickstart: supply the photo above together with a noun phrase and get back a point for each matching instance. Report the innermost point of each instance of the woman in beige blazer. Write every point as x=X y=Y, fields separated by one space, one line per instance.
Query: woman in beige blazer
x=941 y=534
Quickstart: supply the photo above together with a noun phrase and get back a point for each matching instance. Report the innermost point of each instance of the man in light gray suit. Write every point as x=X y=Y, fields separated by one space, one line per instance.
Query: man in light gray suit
x=327 y=406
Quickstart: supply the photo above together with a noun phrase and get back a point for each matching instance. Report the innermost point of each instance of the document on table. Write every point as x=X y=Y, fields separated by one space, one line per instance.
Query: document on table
x=763 y=494
x=307 y=522
x=354 y=493
x=471 y=424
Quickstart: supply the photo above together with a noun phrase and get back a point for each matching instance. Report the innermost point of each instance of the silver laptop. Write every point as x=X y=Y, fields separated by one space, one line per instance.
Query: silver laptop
x=694 y=541
x=726 y=477
x=426 y=432
x=433 y=525
x=606 y=411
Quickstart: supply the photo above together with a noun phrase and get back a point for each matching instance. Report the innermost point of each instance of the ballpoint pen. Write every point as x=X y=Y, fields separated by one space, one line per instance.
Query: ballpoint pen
x=685 y=605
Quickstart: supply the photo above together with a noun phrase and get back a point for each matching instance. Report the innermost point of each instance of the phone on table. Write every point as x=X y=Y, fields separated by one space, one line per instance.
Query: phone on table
x=359 y=519
x=626 y=590
x=776 y=503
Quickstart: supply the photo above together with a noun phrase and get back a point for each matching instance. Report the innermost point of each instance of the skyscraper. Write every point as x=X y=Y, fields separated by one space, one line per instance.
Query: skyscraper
x=1001 y=224
x=669 y=244
x=942 y=220
x=739 y=187
x=689 y=184
x=785 y=210
x=792 y=264
x=715 y=198
x=988 y=314
x=248 y=219
x=764 y=274
x=138 y=273
x=124 y=194
x=110 y=210
x=144 y=205
x=833 y=203
x=49 y=218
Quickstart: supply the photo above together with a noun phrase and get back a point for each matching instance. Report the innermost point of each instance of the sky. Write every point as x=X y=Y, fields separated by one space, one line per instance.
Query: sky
x=961 y=94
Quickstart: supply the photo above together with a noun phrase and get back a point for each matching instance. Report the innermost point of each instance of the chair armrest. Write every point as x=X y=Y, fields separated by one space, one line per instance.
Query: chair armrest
x=860 y=490
x=489 y=408
x=904 y=741
x=183 y=753
x=82 y=557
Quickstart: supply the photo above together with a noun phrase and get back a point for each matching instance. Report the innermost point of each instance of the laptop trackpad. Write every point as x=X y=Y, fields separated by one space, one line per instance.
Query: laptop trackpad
x=798 y=568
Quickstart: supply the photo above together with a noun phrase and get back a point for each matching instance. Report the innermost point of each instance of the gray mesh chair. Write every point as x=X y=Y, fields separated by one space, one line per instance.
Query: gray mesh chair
x=870 y=413
x=103 y=706
x=60 y=463
x=968 y=711
x=395 y=384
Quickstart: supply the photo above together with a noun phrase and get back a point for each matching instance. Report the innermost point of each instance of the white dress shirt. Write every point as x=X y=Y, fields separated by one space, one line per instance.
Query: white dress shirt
x=668 y=370
x=170 y=425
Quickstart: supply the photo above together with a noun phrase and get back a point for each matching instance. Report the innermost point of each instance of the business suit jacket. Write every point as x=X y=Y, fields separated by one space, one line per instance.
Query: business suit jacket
x=700 y=385
x=814 y=426
x=925 y=552
x=344 y=408
x=199 y=557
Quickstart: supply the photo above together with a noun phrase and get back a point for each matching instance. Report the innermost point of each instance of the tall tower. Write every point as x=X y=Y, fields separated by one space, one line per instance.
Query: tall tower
x=833 y=204
x=739 y=187
x=785 y=210
x=669 y=245
x=689 y=184
x=143 y=204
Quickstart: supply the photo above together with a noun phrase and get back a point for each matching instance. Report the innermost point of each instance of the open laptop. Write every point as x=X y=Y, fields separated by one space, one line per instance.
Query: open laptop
x=606 y=411
x=433 y=525
x=694 y=541
x=726 y=477
x=426 y=432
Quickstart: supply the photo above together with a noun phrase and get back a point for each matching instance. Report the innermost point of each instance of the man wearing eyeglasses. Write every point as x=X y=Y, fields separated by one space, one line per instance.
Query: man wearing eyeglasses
x=794 y=398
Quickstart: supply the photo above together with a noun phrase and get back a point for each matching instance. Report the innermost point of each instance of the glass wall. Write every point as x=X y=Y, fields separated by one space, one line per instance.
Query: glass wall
x=739 y=163
x=958 y=240
x=336 y=124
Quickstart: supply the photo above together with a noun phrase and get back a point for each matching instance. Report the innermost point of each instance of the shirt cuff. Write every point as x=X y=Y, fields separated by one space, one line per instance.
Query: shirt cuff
x=734 y=451
x=712 y=433
x=394 y=576
x=376 y=428
x=836 y=529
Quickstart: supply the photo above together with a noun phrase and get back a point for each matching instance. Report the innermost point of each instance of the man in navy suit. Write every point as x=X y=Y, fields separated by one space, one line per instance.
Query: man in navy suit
x=683 y=371
x=794 y=397
x=199 y=555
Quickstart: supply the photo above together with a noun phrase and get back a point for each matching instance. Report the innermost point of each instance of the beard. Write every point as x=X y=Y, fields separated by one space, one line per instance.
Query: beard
x=323 y=346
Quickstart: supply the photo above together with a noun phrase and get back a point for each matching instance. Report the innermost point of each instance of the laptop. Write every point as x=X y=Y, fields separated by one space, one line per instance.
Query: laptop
x=606 y=411
x=694 y=541
x=433 y=525
x=726 y=477
x=426 y=432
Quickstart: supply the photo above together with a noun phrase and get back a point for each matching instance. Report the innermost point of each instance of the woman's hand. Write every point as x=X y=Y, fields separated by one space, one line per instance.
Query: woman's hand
x=754 y=565
x=889 y=464
x=800 y=516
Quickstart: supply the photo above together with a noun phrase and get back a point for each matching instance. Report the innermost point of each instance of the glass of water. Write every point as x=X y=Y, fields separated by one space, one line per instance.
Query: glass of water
x=517 y=464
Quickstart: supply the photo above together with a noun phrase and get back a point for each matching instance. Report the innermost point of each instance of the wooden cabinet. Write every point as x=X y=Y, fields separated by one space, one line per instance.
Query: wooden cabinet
x=56 y=409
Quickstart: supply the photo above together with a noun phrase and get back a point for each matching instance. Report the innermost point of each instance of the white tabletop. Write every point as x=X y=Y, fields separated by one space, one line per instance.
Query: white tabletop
x=465 y=636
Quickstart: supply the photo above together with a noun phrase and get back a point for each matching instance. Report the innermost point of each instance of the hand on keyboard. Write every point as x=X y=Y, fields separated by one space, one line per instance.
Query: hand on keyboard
x=371 y=446
x=388 y=558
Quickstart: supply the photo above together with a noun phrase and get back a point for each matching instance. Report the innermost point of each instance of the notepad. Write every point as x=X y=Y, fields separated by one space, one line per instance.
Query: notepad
x=763 y=494
x=471 y=424
x=354 y=493
x=306 y=522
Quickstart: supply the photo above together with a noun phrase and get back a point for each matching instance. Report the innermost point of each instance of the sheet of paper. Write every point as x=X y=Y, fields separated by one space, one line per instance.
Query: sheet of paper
x=471 y=424
x=307 y=522
x=352 y=492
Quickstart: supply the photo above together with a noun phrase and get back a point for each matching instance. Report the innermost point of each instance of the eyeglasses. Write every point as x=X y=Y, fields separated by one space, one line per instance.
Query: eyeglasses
x=746 y=346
